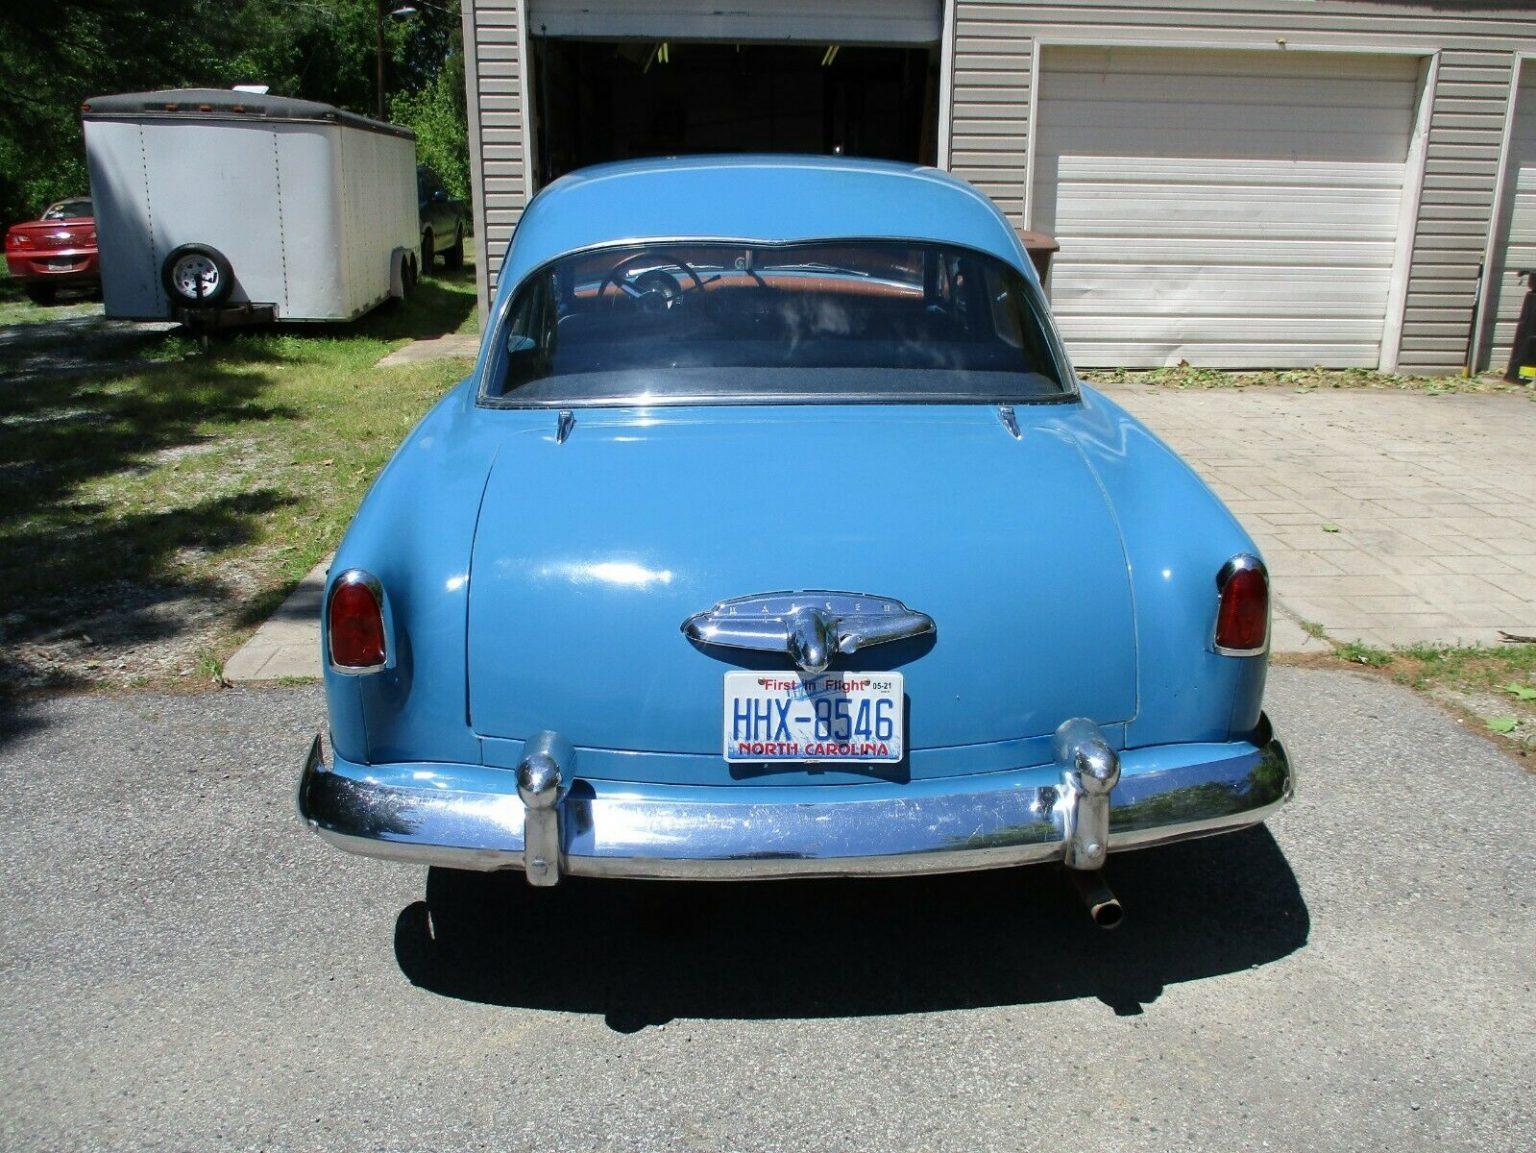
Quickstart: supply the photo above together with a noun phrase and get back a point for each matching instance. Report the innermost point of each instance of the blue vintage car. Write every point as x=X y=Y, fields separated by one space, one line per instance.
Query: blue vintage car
x=774 y=536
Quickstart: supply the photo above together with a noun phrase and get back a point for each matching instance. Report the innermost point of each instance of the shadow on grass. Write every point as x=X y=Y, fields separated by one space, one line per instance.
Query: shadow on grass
x=72 y=566
x=436 y=307
x=439 y=305
x=89 y=574
x=644 y=953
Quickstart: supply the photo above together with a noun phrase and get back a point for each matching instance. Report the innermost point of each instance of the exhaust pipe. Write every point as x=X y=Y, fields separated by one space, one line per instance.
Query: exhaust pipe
x=1103 y=905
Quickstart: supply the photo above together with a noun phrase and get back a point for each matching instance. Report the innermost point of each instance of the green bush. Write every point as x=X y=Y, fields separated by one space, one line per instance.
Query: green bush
x=435 y=113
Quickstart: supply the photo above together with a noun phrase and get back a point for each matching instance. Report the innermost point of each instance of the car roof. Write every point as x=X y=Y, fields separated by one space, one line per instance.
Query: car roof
x=763 y=199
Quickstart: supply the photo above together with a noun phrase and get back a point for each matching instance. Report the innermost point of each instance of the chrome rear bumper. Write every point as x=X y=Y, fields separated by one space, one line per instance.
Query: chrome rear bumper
x=472 y=817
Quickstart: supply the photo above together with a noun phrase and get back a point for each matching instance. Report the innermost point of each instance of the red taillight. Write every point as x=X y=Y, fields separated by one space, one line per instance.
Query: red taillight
x=356 y=623
x=1242 y=620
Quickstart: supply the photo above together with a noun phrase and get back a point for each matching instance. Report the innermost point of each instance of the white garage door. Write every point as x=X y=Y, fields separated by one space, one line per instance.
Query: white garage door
x=804 y=21
x=1231 y=209
x=1520 y=213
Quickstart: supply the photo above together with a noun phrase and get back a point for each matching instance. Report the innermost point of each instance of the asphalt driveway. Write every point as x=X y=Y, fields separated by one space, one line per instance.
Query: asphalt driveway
x=186 y=968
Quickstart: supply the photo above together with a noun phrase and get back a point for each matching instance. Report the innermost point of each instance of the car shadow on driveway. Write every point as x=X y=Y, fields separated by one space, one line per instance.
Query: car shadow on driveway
x=644 y=953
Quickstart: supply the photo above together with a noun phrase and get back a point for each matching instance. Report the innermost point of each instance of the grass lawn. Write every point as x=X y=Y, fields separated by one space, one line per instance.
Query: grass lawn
x=15 y=308
x=1185 y=376
x=150 y=516
x=1491 y=688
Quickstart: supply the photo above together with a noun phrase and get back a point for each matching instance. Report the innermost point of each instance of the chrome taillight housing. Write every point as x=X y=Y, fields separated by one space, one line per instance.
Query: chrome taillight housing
x=1242 y=608
x=355 y=634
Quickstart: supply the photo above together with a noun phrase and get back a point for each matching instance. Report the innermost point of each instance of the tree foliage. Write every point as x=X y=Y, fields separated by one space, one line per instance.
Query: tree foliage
x=56 y=54
x=436 y=114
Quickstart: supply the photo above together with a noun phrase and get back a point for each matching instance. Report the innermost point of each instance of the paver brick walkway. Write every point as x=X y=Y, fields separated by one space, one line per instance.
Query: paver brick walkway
x=1391 y=518
x=288 y=644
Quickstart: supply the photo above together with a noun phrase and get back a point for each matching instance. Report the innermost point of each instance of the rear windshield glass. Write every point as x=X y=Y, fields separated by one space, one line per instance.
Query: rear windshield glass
x=831 y=321
x=68 y=210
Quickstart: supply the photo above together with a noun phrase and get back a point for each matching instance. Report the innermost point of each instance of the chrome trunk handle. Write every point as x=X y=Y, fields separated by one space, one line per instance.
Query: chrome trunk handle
x=808 y=627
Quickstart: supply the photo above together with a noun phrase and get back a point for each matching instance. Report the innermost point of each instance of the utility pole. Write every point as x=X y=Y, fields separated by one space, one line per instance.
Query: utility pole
x=378 y=58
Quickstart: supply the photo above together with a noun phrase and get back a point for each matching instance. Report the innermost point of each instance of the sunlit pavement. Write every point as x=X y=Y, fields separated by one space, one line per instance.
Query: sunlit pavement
x=1391 y=518
x=186 y=967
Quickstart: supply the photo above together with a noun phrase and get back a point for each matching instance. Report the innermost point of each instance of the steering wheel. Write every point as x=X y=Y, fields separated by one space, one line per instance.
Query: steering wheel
x=655 y=289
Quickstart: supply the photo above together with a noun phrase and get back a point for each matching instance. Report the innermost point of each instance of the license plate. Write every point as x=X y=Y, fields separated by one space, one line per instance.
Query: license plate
x=826 y=717
x=60 y=265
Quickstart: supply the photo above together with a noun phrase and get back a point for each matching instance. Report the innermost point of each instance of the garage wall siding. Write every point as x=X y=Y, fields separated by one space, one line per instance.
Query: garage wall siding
x=992 y=98
x=493 y=76
x=1517 y=223
x=993 y=88
x=989 y=114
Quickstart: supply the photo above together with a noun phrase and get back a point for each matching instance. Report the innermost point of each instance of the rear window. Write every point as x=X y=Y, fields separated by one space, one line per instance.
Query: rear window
x=68 y=210
x=836 y=322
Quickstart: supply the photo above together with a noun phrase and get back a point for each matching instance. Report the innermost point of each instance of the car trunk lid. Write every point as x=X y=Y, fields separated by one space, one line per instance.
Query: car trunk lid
x=591 y=553
x=55 y=235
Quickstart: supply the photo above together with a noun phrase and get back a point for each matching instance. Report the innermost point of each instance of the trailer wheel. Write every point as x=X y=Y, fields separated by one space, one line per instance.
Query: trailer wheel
x=454 y=257
x=197 y=275
x=427 y=252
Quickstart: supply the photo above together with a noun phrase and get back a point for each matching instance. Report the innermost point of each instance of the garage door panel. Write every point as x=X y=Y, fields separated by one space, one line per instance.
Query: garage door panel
x=1113 y=210
x=1222 y=204
x=1197 y=170
x=1159 y=64
x=1214 y=88
x=1523 y=232
x=1269 y=253
x=1268 y=329
x=1214 y=354
x=808 y=21
x=1267 y=128
x=1185 y=139
x=1207 y=291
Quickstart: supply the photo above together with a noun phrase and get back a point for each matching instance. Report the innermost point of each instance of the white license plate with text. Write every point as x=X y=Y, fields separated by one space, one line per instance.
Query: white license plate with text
x=854 y=717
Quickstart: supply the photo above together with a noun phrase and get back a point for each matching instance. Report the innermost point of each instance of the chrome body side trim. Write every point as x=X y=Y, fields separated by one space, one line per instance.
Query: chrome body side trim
x=808 y=627
x=472 y=817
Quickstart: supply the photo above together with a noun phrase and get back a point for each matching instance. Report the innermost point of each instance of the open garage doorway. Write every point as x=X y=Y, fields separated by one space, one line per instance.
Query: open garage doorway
x=597 y=100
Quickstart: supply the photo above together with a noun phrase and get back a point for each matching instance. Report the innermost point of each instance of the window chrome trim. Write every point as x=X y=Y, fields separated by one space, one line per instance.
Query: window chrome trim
x=496 y=351
x=356 y=576
x=1242 y=562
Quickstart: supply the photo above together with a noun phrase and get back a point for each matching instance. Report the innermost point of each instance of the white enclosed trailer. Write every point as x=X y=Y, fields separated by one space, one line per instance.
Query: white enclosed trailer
x=216 y=207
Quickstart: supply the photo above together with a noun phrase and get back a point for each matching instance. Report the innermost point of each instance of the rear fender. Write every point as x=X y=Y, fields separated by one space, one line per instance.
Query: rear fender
x=414 y=531
x=1177 y=535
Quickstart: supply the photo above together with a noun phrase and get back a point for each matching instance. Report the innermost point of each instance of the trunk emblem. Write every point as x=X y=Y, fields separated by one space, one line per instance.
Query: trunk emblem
x=809 y=627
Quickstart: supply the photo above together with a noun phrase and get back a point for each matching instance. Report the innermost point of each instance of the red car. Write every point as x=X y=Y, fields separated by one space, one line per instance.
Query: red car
x=57 y=250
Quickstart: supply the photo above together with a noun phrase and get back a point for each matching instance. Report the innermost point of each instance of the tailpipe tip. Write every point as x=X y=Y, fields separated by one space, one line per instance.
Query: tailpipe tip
x=1103 y=906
